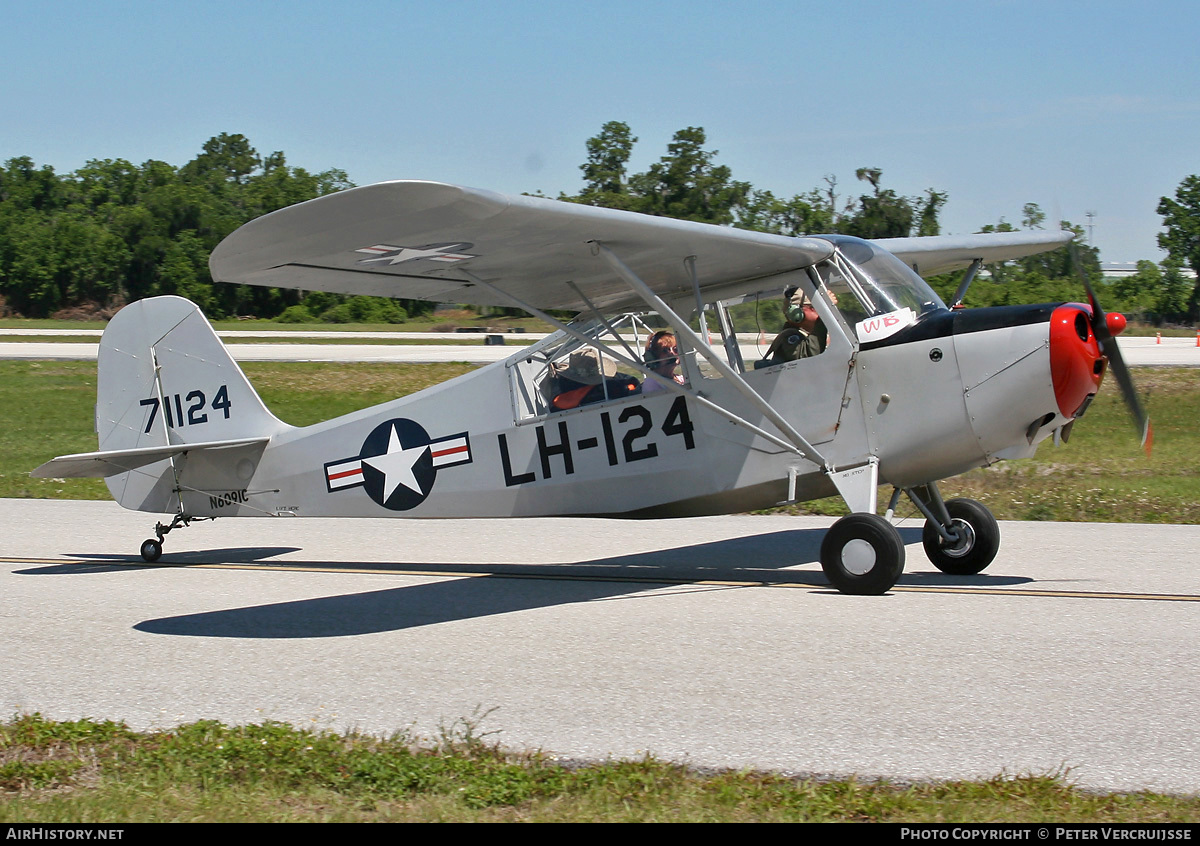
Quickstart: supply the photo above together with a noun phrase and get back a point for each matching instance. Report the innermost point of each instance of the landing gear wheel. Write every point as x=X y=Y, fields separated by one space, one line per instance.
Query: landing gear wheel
x=978 y=539
x=862 y=554
x=151 y=550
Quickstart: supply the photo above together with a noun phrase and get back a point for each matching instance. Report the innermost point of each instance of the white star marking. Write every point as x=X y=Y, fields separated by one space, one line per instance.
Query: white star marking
x=396 y=465
x=410 y=254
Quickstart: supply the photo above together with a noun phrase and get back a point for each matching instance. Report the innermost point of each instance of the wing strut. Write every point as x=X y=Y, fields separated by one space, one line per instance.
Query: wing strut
x=682 y=329
x=690 y=264
x=967 y=279
x=669 y=384
x=611 y=329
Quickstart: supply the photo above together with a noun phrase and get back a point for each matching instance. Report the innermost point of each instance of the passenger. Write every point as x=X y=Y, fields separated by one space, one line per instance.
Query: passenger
x=662 y=356
x=799 y=338
x=583 y=380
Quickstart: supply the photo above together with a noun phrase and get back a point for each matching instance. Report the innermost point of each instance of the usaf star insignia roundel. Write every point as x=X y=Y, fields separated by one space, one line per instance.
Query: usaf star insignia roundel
x=398 y=464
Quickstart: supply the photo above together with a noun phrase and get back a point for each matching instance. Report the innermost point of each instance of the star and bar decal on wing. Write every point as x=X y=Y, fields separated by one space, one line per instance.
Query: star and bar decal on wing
x=390 y=254
x=398 y=464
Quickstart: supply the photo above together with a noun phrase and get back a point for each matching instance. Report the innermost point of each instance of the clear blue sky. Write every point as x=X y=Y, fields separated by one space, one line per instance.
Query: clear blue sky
x=1076 y=106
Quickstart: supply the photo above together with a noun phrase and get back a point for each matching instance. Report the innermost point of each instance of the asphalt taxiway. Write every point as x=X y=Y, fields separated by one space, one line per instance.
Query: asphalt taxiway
x=713 y=641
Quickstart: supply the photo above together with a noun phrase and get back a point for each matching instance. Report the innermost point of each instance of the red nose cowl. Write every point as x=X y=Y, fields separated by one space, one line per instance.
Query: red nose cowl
x=1076 y=364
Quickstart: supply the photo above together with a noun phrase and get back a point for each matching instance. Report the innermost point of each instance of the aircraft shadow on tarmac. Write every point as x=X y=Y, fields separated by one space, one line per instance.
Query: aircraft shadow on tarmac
x=481 y=590
x=123 y=563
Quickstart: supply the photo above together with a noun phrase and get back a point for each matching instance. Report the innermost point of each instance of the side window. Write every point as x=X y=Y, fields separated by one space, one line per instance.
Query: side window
x=790 y=326
x=563 y=373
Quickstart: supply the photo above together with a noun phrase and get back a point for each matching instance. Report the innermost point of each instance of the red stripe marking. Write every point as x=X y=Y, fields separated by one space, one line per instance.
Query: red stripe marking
x=345 y=473
x=450 y=451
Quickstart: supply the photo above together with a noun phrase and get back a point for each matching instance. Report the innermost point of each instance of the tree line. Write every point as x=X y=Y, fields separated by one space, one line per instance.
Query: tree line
x=112 y=232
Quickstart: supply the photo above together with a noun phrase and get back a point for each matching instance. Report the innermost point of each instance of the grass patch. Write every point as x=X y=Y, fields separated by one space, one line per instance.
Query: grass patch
x=88 y=771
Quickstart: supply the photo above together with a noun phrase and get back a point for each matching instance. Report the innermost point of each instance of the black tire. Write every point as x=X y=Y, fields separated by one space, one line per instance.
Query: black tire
x=151 y=550
x=979 y=539
x=862 y=554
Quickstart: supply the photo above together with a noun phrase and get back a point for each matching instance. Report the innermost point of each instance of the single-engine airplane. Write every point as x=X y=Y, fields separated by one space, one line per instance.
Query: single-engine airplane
x=906 y=391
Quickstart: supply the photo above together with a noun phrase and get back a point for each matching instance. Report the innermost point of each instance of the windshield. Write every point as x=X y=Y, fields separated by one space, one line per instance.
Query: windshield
x=866 y=280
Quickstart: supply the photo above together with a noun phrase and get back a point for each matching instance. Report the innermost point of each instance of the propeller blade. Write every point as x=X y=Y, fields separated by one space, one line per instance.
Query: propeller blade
x=1108 y=346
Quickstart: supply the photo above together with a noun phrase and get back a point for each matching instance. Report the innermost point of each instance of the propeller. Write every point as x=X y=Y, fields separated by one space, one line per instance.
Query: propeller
x=1108 y=346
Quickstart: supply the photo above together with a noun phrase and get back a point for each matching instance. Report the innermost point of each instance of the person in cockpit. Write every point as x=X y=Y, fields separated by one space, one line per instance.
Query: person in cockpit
x=799 y=338
x=587 y=378
x=662 y=356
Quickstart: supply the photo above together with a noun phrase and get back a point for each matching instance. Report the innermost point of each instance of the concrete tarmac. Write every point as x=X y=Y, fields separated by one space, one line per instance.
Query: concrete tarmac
x=713 y=641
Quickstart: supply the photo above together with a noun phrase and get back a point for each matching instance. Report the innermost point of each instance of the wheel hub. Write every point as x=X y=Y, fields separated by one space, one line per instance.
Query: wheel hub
x=965 y=542
x=858 y=556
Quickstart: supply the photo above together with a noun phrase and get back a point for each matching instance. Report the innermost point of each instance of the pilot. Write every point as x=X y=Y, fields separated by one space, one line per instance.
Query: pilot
x=662 y=356
x=799 y=338
x=589 y=377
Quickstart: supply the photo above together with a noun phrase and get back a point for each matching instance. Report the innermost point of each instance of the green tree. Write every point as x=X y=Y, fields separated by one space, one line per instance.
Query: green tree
x=1181 y=217
x=224 y=158
x=1173 y=303
x=23 y=185
x=113 y=231
x=687 y=185
x=604 y=173
x=183 y=271
x=1138 y=292
x=882 y=213
x=927 y=214
x=803 y=214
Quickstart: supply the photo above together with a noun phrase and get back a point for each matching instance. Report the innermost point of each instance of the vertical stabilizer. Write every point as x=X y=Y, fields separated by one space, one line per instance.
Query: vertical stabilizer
x=164 y=377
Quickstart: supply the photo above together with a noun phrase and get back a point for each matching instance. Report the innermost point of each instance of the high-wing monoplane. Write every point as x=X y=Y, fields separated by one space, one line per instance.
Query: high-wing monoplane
x=904 y=392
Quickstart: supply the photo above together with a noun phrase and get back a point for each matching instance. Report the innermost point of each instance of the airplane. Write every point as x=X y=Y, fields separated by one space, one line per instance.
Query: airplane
x=906 y=392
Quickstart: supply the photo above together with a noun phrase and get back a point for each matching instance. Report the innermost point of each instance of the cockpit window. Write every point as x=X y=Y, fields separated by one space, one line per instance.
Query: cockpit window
x=867 y=280
x=562 y=372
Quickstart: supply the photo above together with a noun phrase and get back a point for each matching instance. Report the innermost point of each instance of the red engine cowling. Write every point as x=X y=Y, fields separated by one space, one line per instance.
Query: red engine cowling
x=1076 y=364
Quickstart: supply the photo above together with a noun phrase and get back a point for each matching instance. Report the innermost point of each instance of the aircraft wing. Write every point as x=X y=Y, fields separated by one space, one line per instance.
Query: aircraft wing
x=429 y=240
x=936 y=254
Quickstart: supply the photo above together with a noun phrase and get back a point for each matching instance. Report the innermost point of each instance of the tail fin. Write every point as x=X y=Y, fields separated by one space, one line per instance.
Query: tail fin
x=164 y=378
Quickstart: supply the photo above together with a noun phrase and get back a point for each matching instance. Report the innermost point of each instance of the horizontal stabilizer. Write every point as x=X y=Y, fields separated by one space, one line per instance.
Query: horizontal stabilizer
x=98 y=465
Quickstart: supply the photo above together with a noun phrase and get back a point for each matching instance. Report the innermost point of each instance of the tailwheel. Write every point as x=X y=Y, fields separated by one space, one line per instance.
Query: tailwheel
x=977 y=539
x=151 y=550
x=862 y=554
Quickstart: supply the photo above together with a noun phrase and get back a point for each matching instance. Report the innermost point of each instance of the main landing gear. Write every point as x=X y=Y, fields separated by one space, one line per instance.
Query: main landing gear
x=863 y=554
x=961 y=537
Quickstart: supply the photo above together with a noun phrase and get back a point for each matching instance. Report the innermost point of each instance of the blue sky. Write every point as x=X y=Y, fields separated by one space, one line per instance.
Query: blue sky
x=1076 y=106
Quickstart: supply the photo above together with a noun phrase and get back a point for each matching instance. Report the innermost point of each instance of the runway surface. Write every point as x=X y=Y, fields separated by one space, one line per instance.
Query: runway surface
x=1173 y=352
x=712 y=641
